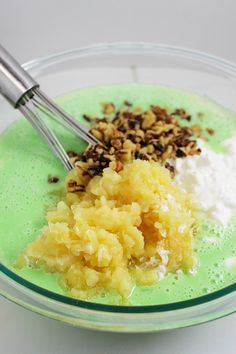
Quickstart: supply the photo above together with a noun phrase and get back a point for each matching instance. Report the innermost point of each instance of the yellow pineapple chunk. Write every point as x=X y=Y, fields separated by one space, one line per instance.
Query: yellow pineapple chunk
x=126 y=228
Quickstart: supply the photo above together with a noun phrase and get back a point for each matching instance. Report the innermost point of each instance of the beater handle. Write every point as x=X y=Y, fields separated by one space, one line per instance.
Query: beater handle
x=15 y=82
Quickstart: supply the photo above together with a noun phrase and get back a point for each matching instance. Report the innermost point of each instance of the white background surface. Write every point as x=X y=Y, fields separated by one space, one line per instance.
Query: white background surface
x=30 y=29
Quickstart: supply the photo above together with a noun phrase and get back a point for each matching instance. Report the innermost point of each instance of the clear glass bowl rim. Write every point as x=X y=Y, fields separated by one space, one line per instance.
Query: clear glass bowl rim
x=118 y=48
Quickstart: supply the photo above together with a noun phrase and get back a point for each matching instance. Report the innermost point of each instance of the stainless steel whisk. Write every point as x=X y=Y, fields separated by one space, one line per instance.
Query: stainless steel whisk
x=24 y=94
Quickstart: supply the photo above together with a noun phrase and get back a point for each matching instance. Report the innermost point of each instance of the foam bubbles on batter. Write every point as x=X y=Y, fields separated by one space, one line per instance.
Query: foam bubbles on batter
x=25 y=163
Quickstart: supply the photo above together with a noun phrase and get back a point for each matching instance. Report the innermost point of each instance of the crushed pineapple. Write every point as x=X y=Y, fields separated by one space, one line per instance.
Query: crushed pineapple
x=127 y=228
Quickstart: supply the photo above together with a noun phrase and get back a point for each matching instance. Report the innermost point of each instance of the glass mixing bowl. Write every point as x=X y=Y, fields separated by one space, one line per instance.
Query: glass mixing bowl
x=122 y=63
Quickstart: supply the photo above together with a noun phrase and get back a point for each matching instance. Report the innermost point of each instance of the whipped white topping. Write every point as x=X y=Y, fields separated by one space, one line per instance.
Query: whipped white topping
x=211 y=179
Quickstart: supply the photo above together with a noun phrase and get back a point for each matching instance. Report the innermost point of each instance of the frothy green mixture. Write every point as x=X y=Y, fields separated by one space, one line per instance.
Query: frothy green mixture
x=25 y=194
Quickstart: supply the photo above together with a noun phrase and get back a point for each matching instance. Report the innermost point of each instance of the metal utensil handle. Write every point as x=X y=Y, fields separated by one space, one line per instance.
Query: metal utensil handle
x=15 y=82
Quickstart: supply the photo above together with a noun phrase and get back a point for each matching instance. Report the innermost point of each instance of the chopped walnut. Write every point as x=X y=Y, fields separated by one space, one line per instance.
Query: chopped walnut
x=210 y=131
x=53 y=179
x=197 y=129
x=73 y=186
x=108 y=108
x=133 y=134
x=182 y=114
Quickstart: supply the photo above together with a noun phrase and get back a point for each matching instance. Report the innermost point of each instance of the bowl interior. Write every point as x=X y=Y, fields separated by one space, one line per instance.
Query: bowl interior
x=126 y=63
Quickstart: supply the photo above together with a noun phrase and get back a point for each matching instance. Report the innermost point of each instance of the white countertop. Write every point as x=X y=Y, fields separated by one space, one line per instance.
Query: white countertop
x=23 y=332
x=204 y=25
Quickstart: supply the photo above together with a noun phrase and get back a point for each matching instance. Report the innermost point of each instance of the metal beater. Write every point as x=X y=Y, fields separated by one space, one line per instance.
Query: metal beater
x=24 y=94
